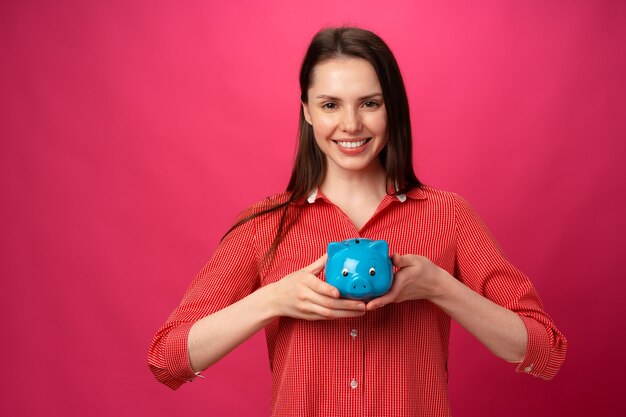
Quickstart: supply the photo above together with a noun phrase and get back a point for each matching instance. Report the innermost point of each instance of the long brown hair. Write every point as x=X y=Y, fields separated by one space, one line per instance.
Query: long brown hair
x=310 y=163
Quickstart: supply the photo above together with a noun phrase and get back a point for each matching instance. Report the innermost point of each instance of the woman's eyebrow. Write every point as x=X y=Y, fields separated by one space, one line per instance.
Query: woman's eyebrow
x=367 y=97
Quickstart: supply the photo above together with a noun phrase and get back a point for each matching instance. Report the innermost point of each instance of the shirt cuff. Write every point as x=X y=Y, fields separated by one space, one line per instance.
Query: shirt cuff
x=177 y=354
x=537 y=350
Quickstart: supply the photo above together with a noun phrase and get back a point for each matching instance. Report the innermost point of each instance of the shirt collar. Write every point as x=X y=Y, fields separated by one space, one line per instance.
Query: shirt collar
x=312 y=197
x=414 y=194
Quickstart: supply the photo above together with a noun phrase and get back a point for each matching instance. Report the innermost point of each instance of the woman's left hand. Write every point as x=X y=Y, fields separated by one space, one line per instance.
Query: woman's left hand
x=501 y=330
x=417 y=278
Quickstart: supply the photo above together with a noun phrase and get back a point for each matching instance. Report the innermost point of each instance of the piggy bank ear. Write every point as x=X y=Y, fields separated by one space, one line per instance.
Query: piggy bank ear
x=381 y=246
x=334 y=247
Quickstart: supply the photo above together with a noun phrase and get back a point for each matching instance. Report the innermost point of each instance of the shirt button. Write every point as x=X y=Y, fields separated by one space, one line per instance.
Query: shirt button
x=354 y=384
x=529 y=368
x=354 y=333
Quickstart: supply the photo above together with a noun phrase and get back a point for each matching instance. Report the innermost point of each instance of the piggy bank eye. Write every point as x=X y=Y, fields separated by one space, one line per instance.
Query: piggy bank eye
x=372 y=271
x=344 y=272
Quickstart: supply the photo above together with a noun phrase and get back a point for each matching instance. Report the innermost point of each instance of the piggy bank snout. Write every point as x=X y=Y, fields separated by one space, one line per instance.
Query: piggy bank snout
x=360 y=286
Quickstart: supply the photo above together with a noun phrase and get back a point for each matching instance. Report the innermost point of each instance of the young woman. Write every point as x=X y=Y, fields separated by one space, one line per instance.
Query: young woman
x=353 y=177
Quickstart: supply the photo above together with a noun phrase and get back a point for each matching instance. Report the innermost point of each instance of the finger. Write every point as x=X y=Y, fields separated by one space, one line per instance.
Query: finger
x=402 y=261
x=336 y=314
x=347 y=305
x=329 y=296
x=326 y=314
x=381 y=301
x=326 y=289
x=315 y=302
x=340 y=304
x=376 y=303
x=330 y=307
x=316 y=267
x=398 y=260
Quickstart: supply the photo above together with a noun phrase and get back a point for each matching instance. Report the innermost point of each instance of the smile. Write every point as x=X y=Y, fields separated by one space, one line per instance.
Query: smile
x=352 y=144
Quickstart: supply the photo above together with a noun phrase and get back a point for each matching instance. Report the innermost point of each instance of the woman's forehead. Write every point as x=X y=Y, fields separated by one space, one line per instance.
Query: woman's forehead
x=344 y=76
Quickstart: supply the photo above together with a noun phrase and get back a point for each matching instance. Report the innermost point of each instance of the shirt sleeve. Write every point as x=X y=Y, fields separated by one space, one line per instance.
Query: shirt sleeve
x=230 y=275
x=482 y=266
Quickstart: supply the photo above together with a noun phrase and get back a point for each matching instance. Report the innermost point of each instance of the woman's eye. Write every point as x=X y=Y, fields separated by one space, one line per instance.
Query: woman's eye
x=329 y=106
x=371 y=104
x=344 y=272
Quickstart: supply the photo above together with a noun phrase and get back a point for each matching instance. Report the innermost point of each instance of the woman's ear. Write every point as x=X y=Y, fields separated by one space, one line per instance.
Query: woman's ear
x=307 y=115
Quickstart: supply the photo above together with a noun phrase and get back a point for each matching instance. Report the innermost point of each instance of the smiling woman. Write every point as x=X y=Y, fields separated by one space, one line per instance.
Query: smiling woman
x=347 y=112
x=353 y=178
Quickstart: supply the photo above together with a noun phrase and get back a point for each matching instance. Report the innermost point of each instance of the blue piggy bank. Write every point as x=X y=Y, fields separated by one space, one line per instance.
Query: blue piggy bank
x=359 y=268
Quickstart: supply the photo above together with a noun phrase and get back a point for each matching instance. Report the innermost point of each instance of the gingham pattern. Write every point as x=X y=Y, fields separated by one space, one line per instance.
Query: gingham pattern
x=390 y=362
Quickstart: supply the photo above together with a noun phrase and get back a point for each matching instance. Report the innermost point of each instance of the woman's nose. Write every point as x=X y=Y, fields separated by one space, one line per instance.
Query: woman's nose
x=351 y=121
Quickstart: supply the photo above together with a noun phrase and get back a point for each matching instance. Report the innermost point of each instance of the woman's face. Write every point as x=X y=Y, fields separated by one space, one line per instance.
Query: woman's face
x=346 y=110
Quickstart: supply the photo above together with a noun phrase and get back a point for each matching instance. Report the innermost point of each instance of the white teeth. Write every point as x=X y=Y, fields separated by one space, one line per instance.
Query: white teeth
x=350 y=145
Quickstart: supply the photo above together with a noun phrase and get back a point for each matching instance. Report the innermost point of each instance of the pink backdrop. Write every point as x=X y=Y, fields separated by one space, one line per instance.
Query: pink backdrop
x=133 y=132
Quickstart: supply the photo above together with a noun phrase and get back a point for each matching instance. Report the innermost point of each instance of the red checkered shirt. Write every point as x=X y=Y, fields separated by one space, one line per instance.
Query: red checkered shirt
x=390 y=362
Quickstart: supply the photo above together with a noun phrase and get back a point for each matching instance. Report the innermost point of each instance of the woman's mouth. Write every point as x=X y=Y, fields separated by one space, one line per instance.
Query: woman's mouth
x=352 y=144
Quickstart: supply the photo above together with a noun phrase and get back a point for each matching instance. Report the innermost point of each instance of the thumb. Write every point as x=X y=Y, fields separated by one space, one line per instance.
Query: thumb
x=400 y=261
x=316 y=267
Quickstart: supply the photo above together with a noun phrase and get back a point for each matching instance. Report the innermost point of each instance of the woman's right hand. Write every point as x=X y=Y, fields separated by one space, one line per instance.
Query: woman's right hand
x=302 y=295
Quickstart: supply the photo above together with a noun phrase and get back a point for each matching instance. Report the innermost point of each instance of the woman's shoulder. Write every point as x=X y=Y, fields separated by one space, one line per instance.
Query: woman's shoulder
x=266 y=205
x=263 y=214
x=447 y=202
x=273 y=200
x=433 y=195
x=442 y=200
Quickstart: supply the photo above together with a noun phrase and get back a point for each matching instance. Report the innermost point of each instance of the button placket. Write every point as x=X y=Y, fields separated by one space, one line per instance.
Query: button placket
x=357 y=353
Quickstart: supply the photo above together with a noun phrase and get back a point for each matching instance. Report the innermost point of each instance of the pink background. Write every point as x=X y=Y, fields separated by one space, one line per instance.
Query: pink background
x=133 y=132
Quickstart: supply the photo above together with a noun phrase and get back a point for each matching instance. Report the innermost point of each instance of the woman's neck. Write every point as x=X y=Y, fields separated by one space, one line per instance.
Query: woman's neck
x=366 y=186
